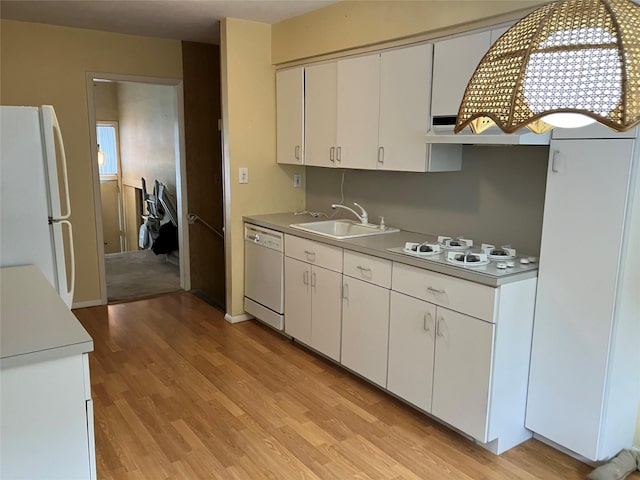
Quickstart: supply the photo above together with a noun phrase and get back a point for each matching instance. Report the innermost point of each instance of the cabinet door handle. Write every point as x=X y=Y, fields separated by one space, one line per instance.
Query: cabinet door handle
x=297 y=152
x=380 y=154
x=556 y=163
x=339 y=154
x=435 y=290
x=439 y=326
x=345 y=291
x=253 y=237
x=426 y=322
x=305 y=277
x=313 y=279
x=332 y=152
x=311 y=256
x=363 y=269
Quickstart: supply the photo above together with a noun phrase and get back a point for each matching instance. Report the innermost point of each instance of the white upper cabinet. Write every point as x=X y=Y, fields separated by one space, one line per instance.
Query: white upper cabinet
x=405 y=99
x=290 y=115
x=454 y=61
x=358 y=111
x=321 y=91
x=372 y=112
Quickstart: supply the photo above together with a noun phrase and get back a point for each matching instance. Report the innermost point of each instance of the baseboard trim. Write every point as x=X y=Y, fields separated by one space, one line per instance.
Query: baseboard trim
x=243 y=317
x=86 y=304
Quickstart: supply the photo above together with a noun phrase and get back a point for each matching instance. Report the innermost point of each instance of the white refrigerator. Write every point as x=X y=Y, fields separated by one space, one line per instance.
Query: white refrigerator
x=34 y=196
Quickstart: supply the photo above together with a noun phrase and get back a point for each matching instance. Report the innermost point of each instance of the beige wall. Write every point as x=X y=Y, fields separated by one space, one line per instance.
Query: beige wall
x=352 y=24
x=249 y=116
x=44 y=64
x=105 y=101
x=148 y=134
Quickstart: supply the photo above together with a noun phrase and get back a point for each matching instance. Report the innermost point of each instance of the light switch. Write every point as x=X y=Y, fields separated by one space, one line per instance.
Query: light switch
x=297 y=180
x=243 y=175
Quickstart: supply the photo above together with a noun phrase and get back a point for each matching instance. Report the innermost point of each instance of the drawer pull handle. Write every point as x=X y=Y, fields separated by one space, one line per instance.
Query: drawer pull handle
x=305 y=277
x=311 y=256
x=435 y=290
x=253 y=237
x=345 y=291
x=363 y=269
x=313 y=279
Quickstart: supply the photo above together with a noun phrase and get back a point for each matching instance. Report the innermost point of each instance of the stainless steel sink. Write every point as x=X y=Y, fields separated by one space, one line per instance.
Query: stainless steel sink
x=341 y=229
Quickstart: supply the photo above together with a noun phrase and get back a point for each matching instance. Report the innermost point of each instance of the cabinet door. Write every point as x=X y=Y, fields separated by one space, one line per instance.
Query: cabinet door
x=464 y=350
x=297 y=299
x=290 y=115
x=326 y=306
x=320 y=114
x=584 y=208
x=405 y=102
x=358 y=112
x=365 y=329
x=411 y=349
x=454 y=61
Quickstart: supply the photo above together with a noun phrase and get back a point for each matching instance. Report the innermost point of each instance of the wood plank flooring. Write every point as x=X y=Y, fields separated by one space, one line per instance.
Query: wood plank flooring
x=180 y=393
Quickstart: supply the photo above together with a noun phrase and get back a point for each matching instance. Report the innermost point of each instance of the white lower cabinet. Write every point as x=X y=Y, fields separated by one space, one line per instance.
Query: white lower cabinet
x=411 y=349
x=460 y=351
x=440 y=361
x=365 y=329
x=312 y=295
x=462 y=370
x=455 y=349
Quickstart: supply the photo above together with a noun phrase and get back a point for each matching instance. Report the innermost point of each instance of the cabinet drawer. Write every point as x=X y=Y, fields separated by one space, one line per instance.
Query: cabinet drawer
x=370 y=269
x=316 y=253
x=460 y=295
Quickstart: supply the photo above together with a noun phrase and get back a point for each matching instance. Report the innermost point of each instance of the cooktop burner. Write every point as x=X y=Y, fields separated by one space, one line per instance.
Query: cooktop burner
x=422 y=249
x=460 y=243
x=503 y=253
x=468 y=259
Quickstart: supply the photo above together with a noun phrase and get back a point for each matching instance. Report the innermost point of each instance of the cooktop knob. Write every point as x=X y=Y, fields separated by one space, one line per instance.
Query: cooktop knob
x=511 y=264
x=524 y=261
x=501 y=265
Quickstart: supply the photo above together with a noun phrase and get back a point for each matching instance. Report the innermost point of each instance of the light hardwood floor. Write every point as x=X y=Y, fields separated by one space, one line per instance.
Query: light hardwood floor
x=180 y=393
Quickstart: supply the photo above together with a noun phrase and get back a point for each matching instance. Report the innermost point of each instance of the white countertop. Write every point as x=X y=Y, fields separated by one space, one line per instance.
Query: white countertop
x=35 y=324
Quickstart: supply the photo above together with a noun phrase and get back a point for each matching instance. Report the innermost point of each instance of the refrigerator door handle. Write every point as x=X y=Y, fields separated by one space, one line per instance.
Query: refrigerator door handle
x=55 y=126
x=66 y=291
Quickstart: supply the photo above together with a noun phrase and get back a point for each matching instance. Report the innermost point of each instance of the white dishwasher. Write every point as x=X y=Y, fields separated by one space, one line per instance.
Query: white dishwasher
x=264 y=275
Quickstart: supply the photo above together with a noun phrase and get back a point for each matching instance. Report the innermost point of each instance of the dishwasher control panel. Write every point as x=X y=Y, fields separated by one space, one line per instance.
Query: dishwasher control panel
x=263 y=237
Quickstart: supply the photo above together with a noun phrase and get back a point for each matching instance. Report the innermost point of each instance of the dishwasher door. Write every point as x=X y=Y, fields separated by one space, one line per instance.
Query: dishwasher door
x=264 y=275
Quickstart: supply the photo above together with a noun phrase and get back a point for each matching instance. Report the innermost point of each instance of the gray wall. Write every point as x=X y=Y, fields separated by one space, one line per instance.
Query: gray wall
x=148 y=132
x=498 y=197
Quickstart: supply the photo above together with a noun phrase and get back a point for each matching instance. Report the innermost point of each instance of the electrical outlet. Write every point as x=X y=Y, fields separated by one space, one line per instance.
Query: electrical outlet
x=243 y=175
x=297 y=180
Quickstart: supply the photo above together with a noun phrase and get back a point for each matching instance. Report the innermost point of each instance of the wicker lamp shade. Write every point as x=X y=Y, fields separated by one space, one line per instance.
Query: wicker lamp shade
x=572 y=56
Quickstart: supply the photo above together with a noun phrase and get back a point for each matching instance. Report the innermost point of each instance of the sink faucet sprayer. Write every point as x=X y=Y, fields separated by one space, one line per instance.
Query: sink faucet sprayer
x=362 y=216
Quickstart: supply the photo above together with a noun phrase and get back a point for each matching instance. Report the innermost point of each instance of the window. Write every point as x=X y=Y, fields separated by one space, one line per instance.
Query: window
x=108 y=146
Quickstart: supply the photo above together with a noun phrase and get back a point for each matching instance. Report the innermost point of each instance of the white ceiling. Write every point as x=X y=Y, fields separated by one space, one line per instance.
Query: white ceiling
x=192 y=20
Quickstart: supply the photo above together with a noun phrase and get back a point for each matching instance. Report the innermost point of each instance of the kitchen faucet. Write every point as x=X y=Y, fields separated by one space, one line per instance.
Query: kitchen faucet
x=362 y=216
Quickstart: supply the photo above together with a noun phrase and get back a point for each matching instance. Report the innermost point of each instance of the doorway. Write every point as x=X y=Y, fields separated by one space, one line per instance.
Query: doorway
x=138 y=180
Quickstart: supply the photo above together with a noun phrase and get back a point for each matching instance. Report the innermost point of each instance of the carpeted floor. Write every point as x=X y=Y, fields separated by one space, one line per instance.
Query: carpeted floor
x=139 y=274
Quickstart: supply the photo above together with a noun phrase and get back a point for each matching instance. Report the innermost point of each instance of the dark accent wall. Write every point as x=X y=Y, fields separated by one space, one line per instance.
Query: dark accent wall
x=201 y=75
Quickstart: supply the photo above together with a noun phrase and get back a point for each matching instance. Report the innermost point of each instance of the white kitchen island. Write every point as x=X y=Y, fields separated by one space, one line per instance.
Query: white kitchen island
x=46 y=411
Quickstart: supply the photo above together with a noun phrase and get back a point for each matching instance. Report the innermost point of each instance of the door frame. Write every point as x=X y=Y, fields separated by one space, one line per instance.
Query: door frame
x=181 y=178
x=121 y=219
